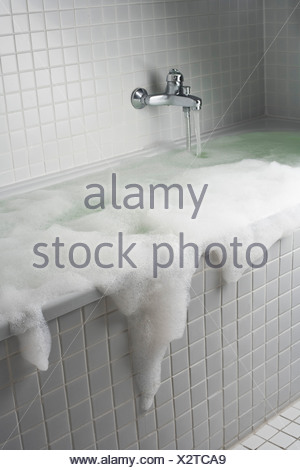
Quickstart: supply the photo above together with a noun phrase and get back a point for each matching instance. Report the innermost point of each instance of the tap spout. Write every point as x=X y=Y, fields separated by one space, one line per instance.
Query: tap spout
x=185 y=101
x=140 y=99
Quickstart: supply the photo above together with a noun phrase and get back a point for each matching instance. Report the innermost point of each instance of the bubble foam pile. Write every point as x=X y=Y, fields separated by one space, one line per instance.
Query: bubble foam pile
x=255 y=200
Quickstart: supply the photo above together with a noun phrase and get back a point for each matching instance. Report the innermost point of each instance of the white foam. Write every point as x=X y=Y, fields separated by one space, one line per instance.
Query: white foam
x=255 y=201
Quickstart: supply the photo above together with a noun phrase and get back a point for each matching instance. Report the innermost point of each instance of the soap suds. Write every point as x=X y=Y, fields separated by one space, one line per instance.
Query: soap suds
x=252 y=199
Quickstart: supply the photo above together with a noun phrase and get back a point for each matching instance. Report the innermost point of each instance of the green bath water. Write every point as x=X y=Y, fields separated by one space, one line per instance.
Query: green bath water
x=282 y=147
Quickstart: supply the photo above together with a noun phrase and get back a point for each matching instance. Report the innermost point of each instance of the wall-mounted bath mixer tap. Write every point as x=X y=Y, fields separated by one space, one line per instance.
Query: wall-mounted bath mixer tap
x=176 y=94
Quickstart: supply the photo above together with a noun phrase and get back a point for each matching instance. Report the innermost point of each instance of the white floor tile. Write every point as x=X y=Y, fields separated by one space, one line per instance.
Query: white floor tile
x=295 y=445
x=293 y=429
x=253 y=442
x=266 y=431
x=238 y=447
x=282 y=440
x=278 y=422
x=269 y=446
x=290 y=413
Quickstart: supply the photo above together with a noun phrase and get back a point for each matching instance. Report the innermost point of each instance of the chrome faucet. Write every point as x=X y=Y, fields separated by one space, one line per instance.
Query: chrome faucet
x=176 y=94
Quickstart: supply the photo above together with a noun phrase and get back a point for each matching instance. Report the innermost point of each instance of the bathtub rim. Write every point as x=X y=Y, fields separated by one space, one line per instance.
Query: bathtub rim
x=261 y=123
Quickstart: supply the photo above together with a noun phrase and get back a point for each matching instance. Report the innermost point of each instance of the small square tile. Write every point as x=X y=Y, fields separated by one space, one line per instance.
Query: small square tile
x=198 y=393
x=125 y=414
x=148 y=443
x=58 y=426
x=99 y=379
x=293 y=430
x=35 y=439
x=269 y=446
x=166 y=434
x=109 y=442
x=80 y=414
x=180 y=343
x=19 y=366
x=75 y=366
x=8 y=426
x=212 y=300
x=123 y=391
x=51 y=378
x=118 y=345
x=105 y=426
x=97 y=355
x=102 y=403
x=95 y=330
x=182 y=403
x=282 y=440
x=70 y=320
x=146 y=423
x=215 y=423
x=30 y=415
x=127 y=436
x=186 y=441
x=84 y=437
x=196 y=308
x=290 y=413
x=121 y=369
x=266 y=432
x=77 y=391
x=179 y=361
x=181 y=382
x=213 y=342
x=64 y=443
x=165 y=414
x=253 y=442
x=164 y=393
x=183 y=424
x=72 y=341
x=13 y=444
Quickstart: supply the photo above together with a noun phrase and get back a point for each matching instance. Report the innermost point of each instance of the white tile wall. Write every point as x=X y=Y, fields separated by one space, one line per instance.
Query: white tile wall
x=282 y=70
x=234 y=368
x=68 y=68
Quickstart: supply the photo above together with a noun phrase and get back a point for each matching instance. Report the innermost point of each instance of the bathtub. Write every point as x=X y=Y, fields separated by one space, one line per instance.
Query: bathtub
x=236 y=365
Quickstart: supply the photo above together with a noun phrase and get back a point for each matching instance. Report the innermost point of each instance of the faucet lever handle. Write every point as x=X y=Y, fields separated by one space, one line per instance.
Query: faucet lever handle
x=175 y=76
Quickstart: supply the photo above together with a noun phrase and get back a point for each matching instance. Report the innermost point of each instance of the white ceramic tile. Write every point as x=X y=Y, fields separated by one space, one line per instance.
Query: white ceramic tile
x=282 y=440
x=266 y=431
x=291 y=413
x=253 y=442
x=269 y=446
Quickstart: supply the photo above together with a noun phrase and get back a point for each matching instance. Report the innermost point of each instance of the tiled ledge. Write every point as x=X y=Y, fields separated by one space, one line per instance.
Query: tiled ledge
x=60 y=306
x=257 y=124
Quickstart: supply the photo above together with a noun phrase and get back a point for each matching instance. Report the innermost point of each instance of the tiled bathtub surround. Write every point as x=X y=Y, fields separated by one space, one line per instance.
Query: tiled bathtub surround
x=68 y=68
x=237 y=364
